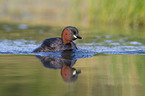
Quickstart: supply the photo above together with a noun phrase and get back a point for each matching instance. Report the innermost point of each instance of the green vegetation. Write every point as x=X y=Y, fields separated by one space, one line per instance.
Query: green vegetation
x=76 y=12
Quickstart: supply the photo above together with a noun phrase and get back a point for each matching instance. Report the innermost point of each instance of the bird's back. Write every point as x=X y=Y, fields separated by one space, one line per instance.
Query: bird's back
x=55 y=44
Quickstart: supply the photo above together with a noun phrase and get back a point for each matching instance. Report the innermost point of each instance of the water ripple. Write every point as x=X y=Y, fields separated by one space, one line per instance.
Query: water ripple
x=17 y=46
x=22 y=46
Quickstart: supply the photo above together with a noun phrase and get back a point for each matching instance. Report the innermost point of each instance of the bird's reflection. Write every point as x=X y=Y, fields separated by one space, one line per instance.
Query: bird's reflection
x=65 y=63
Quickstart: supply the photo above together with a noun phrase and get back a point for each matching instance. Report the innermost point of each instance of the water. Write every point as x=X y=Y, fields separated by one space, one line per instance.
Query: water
x=111 y=75
x=109 y=62
x=22 y=46
x=22 y=38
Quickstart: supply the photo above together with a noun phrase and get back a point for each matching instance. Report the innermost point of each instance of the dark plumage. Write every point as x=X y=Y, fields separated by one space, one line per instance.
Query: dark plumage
x=69 y=34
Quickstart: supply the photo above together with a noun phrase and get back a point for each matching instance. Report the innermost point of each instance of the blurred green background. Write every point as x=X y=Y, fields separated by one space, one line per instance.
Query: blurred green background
x=119 y=22
x=74 y=12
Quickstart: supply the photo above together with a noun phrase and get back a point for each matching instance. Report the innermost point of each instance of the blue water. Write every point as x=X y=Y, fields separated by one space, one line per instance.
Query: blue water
x=85 y=50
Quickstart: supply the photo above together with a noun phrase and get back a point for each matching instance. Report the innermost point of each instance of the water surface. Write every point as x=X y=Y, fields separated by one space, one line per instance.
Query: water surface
x=111 y=75
x=109 y=61
x=23 y=38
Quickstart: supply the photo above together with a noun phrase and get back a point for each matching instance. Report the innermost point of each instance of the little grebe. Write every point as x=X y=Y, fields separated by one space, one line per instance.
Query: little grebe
x=69 y=34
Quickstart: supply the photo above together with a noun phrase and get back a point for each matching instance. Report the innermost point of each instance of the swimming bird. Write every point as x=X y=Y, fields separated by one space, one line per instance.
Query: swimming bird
x=69 y=34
